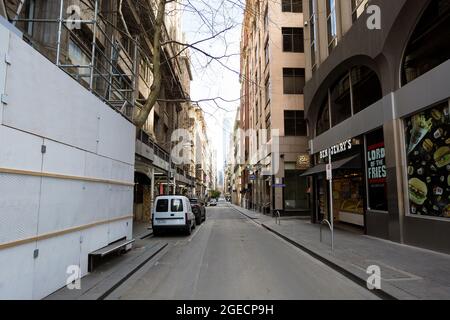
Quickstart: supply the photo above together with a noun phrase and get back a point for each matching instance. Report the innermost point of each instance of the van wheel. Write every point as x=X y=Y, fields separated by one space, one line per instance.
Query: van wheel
x=189 y=229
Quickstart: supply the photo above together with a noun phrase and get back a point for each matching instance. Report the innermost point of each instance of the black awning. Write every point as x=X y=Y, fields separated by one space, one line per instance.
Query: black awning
x=314 y=170
x=347 y=163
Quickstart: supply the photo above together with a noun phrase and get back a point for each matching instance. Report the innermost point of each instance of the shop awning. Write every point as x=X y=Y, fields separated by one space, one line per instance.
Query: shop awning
x=347 y=163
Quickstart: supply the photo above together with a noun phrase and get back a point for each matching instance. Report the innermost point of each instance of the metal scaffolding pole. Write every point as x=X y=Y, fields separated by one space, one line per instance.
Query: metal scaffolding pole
x=60 y=26
x=94 y=44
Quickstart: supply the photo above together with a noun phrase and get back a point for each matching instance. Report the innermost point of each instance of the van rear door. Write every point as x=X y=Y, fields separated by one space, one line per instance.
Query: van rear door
x=169 y=212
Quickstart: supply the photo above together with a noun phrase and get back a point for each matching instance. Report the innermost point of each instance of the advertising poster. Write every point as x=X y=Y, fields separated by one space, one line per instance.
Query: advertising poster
x=428 y=153
x=376 y=171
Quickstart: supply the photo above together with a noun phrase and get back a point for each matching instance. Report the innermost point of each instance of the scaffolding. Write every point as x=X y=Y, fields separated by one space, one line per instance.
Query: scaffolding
x=88 y=48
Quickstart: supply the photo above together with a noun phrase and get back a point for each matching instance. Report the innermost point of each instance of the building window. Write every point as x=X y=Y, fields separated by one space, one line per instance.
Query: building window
x=331 y=25
x=291 y=6
x=313 y=33
x=293 y=80
x=293 y=40
x=295 y=124
x=340 y=98
x=426 y=135
x=366 y=88
x=267 y=90
x=267 y=52
x=79 y=57
x=358 y=8
x=429 y=46
x=323 y=122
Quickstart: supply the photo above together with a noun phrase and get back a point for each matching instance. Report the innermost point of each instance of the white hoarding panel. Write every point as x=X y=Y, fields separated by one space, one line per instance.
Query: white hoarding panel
x=19 y=204
x=120 y=229
x=92 y=239
x=19 y=150
x=55 y=256
x=57 y=108
x=116 y=137
x=16 y=276
x=63 y=159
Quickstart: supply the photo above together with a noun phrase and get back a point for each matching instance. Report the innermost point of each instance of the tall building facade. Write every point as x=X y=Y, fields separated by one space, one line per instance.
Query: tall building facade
x=377 y=102
x=273 y=154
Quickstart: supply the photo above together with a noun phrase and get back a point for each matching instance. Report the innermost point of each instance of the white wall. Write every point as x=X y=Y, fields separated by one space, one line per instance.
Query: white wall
x=85 y=140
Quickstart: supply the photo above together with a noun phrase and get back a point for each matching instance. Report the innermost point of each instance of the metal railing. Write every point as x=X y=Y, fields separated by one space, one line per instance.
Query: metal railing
x=331 y=229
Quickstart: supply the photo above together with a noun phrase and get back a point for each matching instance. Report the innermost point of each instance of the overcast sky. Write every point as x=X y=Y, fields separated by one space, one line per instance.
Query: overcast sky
x=211 y=79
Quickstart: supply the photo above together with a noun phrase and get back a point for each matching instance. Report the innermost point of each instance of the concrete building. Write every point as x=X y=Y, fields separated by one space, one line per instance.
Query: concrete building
x=201 y=154
x=377 y=100
x=272 y=108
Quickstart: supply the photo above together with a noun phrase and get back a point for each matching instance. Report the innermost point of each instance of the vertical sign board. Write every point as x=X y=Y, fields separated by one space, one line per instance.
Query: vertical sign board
x=376 y=171
x=329 y=172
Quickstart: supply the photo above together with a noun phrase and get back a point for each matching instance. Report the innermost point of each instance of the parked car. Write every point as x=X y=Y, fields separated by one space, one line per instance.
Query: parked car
x=213 y=203
x=173 y=212
x=198 y=207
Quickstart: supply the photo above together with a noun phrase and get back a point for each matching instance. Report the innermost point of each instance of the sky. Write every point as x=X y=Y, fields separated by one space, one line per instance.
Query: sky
x=215 y=78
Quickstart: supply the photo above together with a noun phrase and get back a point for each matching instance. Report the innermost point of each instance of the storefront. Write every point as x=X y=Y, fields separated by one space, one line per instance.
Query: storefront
x=359 y=179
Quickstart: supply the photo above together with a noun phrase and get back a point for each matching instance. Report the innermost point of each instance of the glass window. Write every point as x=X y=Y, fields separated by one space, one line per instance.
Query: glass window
x=295 y=123
x=429 y=45
x=323 y=122
x=341 y=108
x=176 y=205
x=331 y=24
x=358 y=8
x=78 y=57
x=293 y=40
x=162 y=205
x=293 y=80
x=366 y=88
x=291 y=6
x=428 y=156
x=267 y=53
x=313 y=32
x=376 y=171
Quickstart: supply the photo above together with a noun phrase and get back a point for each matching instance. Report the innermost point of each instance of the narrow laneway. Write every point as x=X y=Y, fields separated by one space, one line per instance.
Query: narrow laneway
x=230 y=257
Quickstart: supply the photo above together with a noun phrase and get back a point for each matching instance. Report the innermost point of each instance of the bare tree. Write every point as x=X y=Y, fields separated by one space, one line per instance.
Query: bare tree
x=158 y=43
x=155 y=88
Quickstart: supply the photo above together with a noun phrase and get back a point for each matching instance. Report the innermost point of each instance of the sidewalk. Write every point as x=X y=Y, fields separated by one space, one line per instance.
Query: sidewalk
x=407 y=272
x=98 y=284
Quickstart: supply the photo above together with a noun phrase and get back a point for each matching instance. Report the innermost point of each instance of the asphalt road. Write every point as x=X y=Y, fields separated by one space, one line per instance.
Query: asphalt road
x=231 y=257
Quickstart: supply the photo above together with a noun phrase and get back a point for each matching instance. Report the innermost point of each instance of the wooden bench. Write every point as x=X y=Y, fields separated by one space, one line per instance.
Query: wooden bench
x=113 y=247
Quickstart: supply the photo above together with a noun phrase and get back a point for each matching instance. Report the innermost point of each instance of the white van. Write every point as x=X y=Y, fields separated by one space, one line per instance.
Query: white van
x=172 y=212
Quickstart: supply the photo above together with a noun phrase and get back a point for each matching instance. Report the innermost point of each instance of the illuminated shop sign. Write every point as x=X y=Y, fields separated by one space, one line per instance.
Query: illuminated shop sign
x=336 y=149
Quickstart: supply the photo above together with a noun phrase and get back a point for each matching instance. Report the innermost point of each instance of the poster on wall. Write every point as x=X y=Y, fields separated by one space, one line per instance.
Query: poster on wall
x=376 y=171
x=428 y=154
